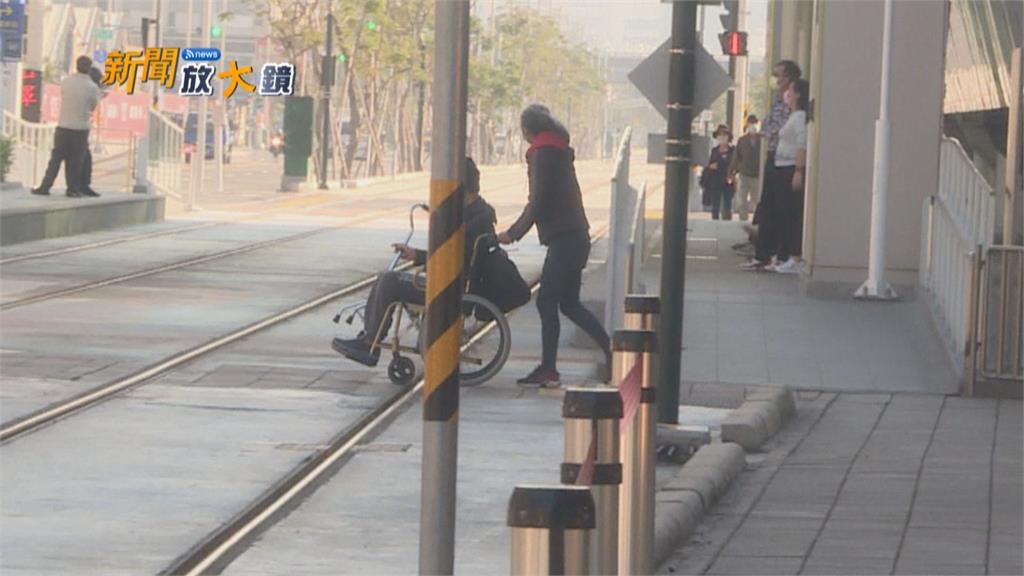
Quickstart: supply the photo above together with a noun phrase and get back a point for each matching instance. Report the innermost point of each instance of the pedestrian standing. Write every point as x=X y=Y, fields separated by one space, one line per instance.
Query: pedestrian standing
x=768 y=239
x=79 y=97
x=555 y=205
x=745 y=165
x=788 y=180
x=717 y=182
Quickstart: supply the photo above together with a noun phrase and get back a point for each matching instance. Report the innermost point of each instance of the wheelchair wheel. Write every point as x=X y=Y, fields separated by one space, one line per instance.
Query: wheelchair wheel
x=401 y=371
x=485 y=346
x=486 y=340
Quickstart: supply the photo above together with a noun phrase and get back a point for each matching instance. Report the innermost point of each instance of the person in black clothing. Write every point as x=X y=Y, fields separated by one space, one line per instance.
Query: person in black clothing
x=393 y=286
x=719 y=187
x=556 y=206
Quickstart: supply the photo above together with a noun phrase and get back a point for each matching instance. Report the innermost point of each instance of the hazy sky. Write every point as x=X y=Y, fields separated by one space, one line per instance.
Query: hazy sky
x=631 y=25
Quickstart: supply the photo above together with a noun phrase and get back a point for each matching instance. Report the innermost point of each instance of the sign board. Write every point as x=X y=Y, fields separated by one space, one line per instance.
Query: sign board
x=10 y=48
x=103 y=34
x=31 y=95
x=99 y=57
x=651 y=78
x=12 y=19
x=700 y=149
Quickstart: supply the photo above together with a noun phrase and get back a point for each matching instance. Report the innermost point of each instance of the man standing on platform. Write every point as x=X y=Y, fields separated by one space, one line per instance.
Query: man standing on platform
x=79 y=98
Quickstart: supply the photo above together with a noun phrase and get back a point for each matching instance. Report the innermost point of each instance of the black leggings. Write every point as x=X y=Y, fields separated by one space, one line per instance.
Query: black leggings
x=781 y=217
x=560 y=283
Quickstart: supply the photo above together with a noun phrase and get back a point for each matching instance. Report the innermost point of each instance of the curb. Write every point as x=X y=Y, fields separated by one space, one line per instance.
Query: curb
x=763 y=413
x=681 y=504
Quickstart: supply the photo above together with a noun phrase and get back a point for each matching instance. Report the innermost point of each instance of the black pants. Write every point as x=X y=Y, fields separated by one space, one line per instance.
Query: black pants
x=69 y=147
x=87 y=168
x=720 y=199
x=390 y=287
x=781 y=218
x=560 y=283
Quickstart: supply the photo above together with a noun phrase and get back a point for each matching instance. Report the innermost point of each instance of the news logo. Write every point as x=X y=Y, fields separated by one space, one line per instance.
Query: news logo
x=122 y=69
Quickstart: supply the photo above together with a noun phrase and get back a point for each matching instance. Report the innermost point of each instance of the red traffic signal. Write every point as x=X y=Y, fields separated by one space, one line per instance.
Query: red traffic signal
x=733 y=43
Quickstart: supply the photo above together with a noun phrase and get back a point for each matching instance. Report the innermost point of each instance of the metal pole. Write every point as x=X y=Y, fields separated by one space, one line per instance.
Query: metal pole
x=218 y=118
x=876 y=287
x=592 y=459
x=973 y=305
x=420 y=104
x=1012 y=218
x=551 y=529
x=677 y=190
x=444 y=290
x=199 y=156
x=326 y=79
x=633 y=359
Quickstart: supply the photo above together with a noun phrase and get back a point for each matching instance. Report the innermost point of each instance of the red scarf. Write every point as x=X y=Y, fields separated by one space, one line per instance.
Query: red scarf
x=550 y=139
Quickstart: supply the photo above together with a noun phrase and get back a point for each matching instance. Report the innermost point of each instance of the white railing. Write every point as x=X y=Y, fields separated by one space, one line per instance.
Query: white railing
x=166 y=159
x=32 y=145
x=959 y=222
x=637 y=243
x=620 y=216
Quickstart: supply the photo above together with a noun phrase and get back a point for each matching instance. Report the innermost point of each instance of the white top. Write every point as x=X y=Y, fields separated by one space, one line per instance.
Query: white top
x=792 y=137
x=79 y=97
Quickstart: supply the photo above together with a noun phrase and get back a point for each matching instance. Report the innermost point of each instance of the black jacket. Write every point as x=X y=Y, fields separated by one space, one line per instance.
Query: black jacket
x=479 y=219
x=716 y=178
x=556 y=202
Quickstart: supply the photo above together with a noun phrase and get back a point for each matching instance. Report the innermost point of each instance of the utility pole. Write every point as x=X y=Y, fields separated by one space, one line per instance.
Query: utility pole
x=219 y=114
x=326 y=80
x=199 y=156
x=678 y=142
x=876 y=287
x=444 y=289
x=421 y=103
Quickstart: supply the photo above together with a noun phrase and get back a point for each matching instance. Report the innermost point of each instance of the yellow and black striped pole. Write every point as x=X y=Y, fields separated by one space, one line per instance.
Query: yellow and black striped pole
x=444 y=289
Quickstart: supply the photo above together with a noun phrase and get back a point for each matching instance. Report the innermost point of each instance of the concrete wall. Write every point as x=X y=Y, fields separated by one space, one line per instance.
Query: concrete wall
x=847 y=107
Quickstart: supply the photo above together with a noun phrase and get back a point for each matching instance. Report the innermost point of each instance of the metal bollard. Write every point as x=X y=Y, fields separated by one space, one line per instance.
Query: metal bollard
x=642 y=312
x=592 y=458
x=632 y=363
x=551 y=529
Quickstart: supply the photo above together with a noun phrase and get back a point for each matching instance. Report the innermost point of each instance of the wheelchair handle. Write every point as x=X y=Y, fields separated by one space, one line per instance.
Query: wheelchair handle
x=412 y=230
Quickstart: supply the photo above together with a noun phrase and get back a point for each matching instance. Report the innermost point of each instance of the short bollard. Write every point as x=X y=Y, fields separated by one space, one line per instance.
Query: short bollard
x=551 y=529
x=632 y=362
x=641 y=312
x=592 y=458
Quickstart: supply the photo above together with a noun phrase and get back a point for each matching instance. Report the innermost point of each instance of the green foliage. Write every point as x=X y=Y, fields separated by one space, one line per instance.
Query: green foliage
x=6 y=157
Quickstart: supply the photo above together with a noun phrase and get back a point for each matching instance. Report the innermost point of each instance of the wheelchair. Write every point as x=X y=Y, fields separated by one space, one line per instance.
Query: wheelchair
x=486 y=336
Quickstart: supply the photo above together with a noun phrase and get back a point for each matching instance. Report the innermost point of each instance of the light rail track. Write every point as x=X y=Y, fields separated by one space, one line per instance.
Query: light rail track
x=217 y=550
x=209 y=257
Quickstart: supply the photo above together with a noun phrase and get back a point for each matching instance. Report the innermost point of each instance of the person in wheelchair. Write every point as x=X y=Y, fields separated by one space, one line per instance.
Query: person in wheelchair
x=395 y=286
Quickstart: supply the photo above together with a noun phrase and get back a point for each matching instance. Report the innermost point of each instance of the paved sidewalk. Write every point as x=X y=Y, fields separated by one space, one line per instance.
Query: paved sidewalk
x=874 y=484
x=748 y=328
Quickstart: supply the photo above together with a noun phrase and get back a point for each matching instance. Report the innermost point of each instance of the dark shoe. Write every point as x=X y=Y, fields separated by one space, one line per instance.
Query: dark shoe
x=91 y=193
x=41 y=191
x=541 y=377
x=74 y=194
x=357 y=350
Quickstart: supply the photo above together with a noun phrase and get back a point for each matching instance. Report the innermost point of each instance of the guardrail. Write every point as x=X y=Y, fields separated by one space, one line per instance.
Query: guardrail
x=996 y=316
x=166 y=159
x=974 y=288
x=32 y=144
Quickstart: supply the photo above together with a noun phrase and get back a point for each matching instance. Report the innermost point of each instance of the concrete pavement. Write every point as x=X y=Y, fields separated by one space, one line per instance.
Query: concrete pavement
x=873 y=484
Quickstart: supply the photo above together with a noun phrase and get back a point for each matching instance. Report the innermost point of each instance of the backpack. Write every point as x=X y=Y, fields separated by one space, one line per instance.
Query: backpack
x=499 y=281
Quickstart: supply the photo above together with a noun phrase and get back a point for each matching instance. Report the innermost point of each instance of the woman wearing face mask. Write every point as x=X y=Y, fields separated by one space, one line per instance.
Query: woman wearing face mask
x=716 y=180
x=788 y=180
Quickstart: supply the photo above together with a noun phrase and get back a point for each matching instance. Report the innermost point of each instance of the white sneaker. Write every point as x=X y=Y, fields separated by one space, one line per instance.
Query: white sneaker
x=791 y=266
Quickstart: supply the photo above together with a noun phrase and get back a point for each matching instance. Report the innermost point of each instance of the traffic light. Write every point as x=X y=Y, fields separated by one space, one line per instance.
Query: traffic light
x=733 y=43
x=371 y=24
x=343 y=58
x=216 y=31
x=730 y=15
